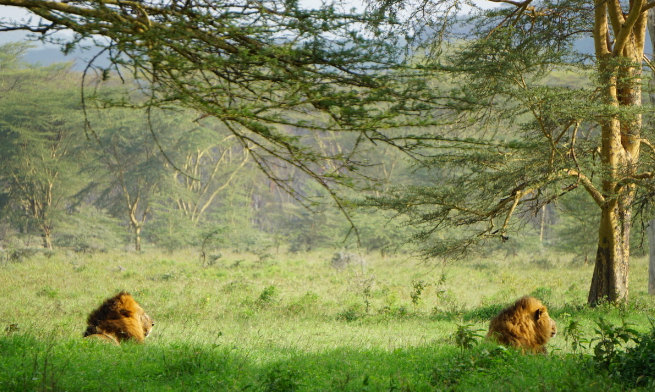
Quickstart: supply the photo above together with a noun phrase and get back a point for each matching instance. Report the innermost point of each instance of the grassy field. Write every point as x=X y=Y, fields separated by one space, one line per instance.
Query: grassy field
x=294 y=323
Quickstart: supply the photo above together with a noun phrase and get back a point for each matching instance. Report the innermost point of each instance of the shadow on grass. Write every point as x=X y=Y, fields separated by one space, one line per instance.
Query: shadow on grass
x=28 y=364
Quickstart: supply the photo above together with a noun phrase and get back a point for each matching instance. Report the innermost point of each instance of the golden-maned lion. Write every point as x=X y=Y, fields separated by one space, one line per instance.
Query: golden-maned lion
x=119 y=318
x=525 y=325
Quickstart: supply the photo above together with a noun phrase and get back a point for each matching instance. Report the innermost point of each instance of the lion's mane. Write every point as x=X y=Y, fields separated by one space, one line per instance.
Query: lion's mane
x=525 y=325
x=119 y=318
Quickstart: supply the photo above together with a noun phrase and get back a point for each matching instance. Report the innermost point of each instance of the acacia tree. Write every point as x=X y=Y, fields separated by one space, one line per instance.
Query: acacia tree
x=529 y=139
x=38 y=134
x=129 y=168
x=211 y=169
x=208 y=166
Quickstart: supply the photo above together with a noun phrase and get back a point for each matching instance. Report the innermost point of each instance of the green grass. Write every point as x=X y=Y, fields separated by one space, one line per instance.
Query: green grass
x=294 y=323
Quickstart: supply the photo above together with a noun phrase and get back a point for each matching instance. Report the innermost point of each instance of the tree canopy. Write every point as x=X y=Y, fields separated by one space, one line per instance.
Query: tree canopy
x=268 y=70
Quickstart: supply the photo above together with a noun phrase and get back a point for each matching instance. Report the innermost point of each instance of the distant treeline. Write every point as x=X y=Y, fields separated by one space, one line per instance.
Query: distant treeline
x=74 y=174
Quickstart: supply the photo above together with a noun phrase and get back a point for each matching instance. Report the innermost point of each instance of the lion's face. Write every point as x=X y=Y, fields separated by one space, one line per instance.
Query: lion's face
x=146 y=323
x=548 y=325
x=553 y=327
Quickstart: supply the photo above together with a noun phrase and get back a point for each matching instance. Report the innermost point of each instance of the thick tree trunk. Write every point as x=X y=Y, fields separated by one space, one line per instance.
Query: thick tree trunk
x=619 y=64
x=619 y=153
x=610 y=278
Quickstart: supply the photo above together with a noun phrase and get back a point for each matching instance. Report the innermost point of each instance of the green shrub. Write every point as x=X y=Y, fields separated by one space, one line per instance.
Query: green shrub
x=466 y=337
x=574 y=333
x=350 y=314
x=447 y=375
x=89 y=229
x=610 y=342
x=636 y=367
x=267 y=296
x=279 y=379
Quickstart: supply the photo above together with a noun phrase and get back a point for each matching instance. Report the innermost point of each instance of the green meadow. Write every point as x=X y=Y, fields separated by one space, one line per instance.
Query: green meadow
x=293 y=322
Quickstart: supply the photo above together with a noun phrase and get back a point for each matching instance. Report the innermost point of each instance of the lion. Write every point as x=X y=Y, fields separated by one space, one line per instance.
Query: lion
x=525 y=325
x=118 y=319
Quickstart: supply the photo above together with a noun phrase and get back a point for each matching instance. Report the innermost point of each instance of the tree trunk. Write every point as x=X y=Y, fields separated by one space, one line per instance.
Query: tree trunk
x=542 y=225
x=46 y=236
x=134 y=222
x=651 y=257
x=137 y=238
x=619 y=66
x=610 y=278
x=651 y=224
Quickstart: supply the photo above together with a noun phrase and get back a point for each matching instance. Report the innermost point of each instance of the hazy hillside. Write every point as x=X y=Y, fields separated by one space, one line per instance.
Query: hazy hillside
x=48 y=54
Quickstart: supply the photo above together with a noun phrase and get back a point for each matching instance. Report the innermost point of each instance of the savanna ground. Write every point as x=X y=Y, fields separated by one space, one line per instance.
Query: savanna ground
x=292 y=322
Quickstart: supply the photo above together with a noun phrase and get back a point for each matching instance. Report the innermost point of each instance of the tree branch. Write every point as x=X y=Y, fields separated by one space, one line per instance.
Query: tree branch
x=588 y=185
x=622 y=36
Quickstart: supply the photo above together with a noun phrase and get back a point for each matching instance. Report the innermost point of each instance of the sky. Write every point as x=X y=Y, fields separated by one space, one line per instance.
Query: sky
x=47 y=53
x=11 y=12
x=19 y=13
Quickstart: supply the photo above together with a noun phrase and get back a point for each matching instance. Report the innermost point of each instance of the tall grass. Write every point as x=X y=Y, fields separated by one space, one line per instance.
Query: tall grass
x=295 y=323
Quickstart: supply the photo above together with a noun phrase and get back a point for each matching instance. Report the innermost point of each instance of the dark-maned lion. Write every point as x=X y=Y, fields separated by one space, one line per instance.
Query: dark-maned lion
x=525 y=325
x=119 y=318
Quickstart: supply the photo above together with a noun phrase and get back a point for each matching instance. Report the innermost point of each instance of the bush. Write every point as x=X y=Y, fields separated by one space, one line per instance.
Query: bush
x=279 y=379
x=636 y=367
x=343 y=259
x=607 y=352
x=88 y=229
x=267 y=296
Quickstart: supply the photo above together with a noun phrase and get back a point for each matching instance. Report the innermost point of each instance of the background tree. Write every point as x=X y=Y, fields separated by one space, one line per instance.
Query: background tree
x=209 y=166
x=210 y=171
x=130 y=167
x=38 y=133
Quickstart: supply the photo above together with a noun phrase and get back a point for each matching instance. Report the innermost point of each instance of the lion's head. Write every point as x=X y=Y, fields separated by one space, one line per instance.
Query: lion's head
x=553 y=327
x=120 y=318
x=146 y=323
x=541 y=317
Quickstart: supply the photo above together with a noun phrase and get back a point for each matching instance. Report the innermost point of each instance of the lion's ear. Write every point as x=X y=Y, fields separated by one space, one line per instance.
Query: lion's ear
x=539 y=313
